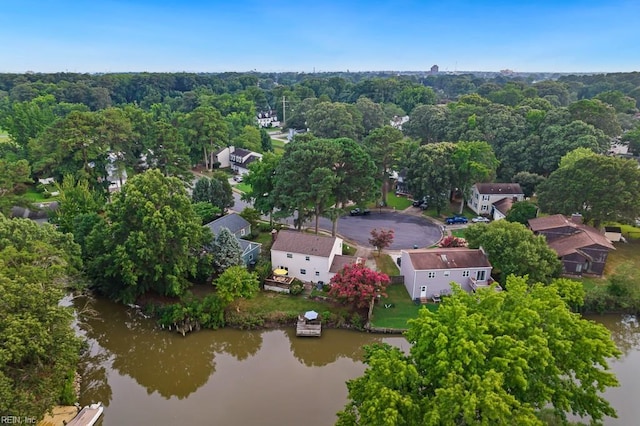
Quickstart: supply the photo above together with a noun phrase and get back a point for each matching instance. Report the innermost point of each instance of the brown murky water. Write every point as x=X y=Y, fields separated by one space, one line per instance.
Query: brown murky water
x=149 y=376
x=625 y=331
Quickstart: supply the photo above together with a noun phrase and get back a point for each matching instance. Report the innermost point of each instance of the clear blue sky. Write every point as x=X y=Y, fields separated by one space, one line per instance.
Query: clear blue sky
x=335 y=35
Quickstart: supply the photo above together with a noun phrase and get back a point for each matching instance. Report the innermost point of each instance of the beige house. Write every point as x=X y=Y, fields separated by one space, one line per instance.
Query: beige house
x=308 y=257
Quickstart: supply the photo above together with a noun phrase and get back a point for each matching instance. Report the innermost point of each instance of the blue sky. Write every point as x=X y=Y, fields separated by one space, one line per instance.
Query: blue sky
x=244 y=35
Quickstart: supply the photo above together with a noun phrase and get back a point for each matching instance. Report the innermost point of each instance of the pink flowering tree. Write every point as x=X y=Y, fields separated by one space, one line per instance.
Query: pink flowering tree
x=358 y=286
x=453 y=241
x=381 y=239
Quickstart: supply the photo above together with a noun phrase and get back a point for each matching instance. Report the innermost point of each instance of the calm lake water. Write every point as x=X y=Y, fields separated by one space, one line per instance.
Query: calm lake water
x=145 y=375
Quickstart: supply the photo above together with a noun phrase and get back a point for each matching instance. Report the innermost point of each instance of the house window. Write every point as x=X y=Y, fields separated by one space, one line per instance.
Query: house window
x=485 y=207
x=480 y=275
x=447 y=273
x=242 y=232
x=485 y=198
x=465 y=273
x=250 y=257
x=431 y=274
x=303 y=272
x=289 y=255
x=317 y=273
x=306 y=258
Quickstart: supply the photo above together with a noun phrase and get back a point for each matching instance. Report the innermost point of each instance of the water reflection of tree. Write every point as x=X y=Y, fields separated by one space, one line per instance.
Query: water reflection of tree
x=158 y=360
x=334 y=344
x=625 y=331
x=239 y=344
x=93 y=370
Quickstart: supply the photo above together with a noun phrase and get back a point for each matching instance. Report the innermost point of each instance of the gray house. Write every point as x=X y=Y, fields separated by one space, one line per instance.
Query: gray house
x=428 y=273
x=240 y=228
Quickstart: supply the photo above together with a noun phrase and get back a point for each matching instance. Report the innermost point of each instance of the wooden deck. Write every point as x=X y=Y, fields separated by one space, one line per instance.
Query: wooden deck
x=306 y=328
x=88 y=416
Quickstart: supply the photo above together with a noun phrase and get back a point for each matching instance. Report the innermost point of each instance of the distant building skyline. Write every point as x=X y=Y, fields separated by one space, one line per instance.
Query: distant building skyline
x=581 y=36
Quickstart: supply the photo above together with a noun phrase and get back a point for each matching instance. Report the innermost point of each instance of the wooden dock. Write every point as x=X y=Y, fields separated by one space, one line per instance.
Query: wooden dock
x=88 y=416
x=308 y=328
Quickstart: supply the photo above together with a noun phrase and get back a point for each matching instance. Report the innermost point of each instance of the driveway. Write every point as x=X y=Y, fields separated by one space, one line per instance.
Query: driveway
x=409 y=230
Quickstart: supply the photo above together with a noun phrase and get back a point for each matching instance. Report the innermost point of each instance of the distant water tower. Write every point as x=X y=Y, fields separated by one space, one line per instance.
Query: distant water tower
x=434 y=69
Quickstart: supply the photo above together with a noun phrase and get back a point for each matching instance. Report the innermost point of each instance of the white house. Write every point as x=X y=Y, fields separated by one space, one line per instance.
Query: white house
x=428 y=273
x=268 y=119
x=241 y=158
x=308 y=257
x=484 y=195
x=222 y=157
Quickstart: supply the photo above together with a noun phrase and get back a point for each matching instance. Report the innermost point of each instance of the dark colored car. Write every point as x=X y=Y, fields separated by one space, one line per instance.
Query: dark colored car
x=359 y=212
x=454 y=220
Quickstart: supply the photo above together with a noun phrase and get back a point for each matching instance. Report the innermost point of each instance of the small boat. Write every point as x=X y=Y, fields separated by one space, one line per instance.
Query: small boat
x=88 y=415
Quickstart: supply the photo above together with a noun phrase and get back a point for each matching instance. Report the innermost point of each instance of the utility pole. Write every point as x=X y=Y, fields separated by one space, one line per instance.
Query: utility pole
x=284 y=111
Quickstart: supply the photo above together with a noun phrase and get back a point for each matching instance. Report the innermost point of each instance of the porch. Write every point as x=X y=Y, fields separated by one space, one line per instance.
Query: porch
x=278 y=283
x=475 y=284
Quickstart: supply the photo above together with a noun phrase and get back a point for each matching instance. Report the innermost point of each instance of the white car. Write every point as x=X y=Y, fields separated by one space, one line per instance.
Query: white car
x=480 y=219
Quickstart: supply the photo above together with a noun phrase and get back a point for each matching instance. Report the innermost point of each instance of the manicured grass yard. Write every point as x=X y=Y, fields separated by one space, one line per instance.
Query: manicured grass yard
x=624 y=253
x=37 y=197
x=243 y=187
x=399 y=203
x=402 y=310
x=386 y=265
x=269 y=303
x=278 y=146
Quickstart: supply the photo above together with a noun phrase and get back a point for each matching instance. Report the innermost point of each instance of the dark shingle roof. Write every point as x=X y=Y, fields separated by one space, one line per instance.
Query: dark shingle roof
x=308 y=244
x=504 y=205
x=233 y=222
x=582 y=235
x=241 y=152
x=549 y=222
x=499 y=188
x=448 y=258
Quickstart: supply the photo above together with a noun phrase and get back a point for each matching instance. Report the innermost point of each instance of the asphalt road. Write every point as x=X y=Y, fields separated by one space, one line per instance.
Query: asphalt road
x=410 y=230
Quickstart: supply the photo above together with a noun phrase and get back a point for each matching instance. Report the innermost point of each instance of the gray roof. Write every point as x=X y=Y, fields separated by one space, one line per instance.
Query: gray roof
x=299 y=242
x=245 y=244
x=233 y=222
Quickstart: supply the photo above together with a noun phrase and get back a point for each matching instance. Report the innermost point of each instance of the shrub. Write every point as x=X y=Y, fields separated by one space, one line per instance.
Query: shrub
x=296 y=288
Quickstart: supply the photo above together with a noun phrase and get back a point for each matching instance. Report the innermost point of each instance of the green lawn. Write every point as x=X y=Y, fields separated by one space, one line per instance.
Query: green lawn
x=403 y=308
x=267 y=303
x=243 y=187
x=348 y=250
x=386 y=265
x=458 y=233
x=624 y=253
x=399 y=203
x=278 y=146
x=37 y=197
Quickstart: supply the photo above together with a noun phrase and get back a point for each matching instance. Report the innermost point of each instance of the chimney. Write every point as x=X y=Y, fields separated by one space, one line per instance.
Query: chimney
x=576 y=218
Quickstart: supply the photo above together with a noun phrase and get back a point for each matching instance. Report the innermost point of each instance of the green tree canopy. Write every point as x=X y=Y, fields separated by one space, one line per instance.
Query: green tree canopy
x=432 y=173
x=488 y=358
x=14 y=175
x=235 y=283
x=226 y=251
x=522 y=211
x=38 y=348
x=600 y=188
x=151 y=239
x=514 y=250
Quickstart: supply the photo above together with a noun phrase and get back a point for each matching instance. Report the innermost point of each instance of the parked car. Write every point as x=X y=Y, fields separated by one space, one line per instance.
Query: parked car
x=454 y=220
x=480 y=219
x=359 y=212
x=238 y=178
